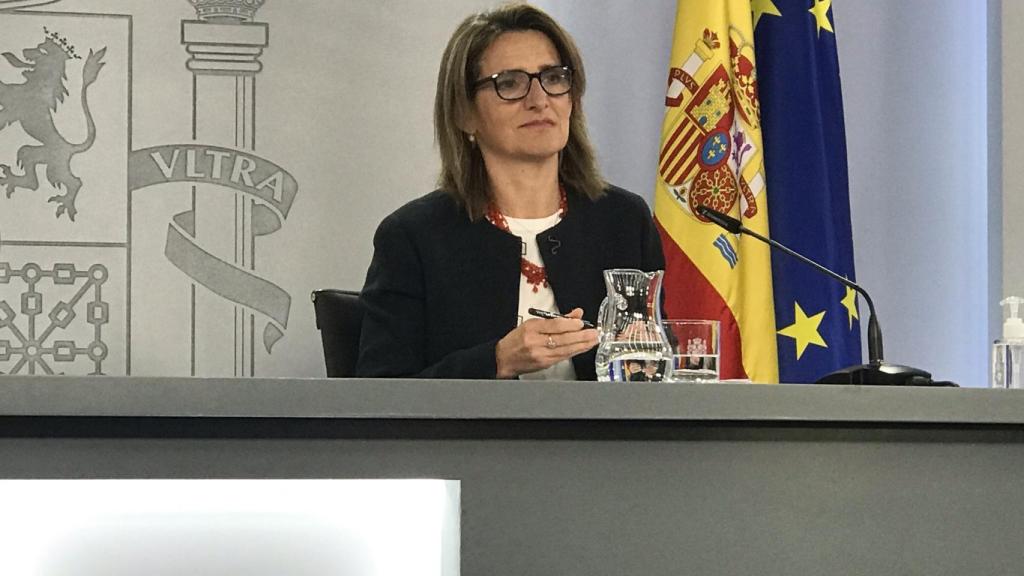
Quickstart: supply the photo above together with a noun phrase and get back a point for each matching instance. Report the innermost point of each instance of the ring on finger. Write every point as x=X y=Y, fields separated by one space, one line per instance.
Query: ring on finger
x=551 y=342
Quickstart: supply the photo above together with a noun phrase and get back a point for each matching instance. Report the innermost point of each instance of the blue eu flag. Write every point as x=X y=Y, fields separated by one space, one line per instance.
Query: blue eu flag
x=817 y=320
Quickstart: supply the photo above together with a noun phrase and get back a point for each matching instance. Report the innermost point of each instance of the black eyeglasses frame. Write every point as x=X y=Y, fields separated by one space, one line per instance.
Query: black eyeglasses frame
x=493 y=79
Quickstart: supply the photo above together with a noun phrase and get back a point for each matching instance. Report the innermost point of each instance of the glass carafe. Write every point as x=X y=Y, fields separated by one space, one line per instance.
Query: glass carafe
x=632 y=346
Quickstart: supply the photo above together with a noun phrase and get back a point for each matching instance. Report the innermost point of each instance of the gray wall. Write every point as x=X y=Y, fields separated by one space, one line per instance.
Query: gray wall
x=1012 y=150
x=915 y=91
x=342 y=106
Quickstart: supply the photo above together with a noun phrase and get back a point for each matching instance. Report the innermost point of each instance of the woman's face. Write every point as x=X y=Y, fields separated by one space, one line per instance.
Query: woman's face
x=534 y=128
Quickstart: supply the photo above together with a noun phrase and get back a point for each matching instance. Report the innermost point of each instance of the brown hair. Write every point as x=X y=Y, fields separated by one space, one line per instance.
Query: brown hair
x=462 y=166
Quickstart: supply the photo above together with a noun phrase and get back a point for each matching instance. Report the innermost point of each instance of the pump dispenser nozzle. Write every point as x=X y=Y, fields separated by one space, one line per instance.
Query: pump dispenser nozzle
x=1013 y=325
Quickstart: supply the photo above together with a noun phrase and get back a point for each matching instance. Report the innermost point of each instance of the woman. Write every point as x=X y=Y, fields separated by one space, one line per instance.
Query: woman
x=522 y=219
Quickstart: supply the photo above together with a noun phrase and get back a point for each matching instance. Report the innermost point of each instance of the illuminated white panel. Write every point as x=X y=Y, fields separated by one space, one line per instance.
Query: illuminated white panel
x=229 y=527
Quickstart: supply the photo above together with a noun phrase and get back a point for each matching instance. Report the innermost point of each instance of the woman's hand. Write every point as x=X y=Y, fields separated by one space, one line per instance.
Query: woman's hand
x=537 y=344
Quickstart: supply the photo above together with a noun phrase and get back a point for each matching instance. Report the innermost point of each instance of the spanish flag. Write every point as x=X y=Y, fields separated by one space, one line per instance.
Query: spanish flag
x=711 y=155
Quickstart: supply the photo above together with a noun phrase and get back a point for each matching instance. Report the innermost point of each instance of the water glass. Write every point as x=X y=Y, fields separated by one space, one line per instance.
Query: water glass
x=695 y=352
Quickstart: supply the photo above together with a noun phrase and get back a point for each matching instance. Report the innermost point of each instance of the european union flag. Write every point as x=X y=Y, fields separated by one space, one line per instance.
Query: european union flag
x=808 y=197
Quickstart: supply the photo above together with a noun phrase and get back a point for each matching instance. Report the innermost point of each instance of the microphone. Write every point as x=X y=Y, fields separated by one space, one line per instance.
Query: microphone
x=876 y=371
x=555 y=244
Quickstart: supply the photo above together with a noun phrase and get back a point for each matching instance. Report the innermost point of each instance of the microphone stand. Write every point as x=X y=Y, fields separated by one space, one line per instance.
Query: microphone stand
x=876 y=372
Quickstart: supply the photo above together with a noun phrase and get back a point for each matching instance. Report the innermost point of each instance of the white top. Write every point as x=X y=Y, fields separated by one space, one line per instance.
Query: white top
x=544 y=298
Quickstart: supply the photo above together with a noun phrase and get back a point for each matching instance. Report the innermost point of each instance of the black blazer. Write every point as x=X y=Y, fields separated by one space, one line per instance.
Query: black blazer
x=441 y=290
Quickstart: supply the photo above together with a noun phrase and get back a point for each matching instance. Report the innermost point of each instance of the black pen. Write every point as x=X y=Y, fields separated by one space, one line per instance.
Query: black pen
x=551 y=315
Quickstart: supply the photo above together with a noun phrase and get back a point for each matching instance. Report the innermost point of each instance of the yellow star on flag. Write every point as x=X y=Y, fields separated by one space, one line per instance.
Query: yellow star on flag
x=850 y=303
x=804 y=330
x=820 y=11
x=761 y=7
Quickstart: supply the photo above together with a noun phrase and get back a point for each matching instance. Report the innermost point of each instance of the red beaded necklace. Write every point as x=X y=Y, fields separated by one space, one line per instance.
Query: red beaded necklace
x=535 y=274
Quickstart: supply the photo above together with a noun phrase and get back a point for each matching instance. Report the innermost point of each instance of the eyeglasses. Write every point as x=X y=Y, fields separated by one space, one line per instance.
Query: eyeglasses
x=516 y=84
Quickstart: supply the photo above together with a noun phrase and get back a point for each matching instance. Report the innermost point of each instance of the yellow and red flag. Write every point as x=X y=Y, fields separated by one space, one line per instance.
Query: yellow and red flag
x=711 y=155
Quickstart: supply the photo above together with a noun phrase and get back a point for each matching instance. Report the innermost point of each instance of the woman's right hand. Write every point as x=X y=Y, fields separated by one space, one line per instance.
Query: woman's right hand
x=537 y=344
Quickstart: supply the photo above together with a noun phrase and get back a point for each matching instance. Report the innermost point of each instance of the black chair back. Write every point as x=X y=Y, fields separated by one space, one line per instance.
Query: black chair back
x=339 y=317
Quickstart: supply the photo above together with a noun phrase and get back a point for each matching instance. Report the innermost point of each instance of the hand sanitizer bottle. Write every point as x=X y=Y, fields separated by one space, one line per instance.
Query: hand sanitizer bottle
x=1008 y=352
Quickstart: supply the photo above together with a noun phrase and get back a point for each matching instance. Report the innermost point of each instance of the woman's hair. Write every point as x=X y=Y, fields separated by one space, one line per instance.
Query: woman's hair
x=462 y=166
